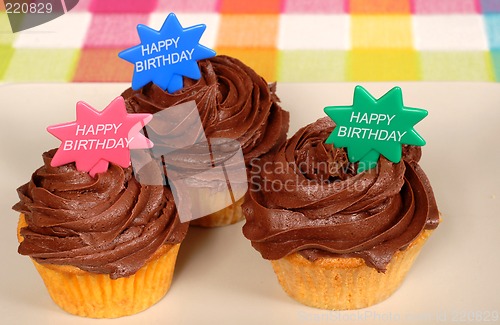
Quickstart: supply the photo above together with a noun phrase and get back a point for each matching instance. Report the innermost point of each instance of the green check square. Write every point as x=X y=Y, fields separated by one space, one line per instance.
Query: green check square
x=5 y=55
x=48 y=65
x=495 y=59
x=456 y=66
x=311 y=65
x=6 y=34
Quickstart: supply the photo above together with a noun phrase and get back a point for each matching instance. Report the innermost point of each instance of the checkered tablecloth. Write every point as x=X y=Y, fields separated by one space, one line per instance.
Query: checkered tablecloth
x=283 y=40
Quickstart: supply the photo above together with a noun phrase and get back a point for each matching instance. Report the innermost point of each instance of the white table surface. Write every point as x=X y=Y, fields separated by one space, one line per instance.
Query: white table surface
x=221 y=279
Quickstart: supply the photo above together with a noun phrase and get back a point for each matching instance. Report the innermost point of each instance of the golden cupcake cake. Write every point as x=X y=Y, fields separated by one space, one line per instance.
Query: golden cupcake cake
x=339 y=237
x=104 y=246
x=233 y=102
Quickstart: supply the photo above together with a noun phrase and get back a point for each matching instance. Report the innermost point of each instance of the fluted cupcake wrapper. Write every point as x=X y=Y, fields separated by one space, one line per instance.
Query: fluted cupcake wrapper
x=98 y=296
x=224 y=217
x=344 y=283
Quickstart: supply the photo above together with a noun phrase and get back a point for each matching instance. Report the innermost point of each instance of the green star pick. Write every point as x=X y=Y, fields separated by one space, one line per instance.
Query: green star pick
x=371 y=127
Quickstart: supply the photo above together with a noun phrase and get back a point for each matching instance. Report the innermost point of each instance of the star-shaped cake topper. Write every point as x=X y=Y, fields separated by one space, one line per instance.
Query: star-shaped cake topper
x=165 y=56
x=97 y=138
x=372 y=127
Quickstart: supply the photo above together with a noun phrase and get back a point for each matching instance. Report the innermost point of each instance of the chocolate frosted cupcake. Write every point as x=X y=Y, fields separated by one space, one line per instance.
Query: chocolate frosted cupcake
x=234 y=102
x=338 y=239
x=93 y=240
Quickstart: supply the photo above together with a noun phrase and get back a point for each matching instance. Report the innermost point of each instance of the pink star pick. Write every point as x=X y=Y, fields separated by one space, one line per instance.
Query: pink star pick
x=97 y=138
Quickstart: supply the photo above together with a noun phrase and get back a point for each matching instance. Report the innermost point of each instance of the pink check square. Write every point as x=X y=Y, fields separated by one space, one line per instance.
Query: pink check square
x=109 y=30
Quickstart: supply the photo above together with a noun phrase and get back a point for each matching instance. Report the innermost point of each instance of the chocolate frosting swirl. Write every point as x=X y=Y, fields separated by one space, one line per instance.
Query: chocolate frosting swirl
x=234 y=102
x=109 y=224
x=308 y=198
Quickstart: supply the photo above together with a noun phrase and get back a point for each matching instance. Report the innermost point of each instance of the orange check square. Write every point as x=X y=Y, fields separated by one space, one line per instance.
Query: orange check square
x=250 y=7
x=380 y=6
x=248 y=31
x=102 y=65
x=263 y=61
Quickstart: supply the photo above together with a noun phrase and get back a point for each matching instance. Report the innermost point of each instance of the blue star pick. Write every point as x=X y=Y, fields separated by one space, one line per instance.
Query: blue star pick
x=165 y=56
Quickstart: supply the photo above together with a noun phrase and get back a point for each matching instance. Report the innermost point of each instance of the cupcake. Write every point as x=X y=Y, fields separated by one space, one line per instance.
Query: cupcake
x=233 y=102
x=338 y=239
x=105 y=246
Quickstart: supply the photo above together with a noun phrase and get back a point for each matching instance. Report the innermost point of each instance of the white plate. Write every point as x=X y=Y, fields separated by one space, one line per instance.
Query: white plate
x=220 y=278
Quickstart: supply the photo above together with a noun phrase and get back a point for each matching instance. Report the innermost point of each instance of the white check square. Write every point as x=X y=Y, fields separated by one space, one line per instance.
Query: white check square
x=66 y=31
x=326 y=32
x=449 y=32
